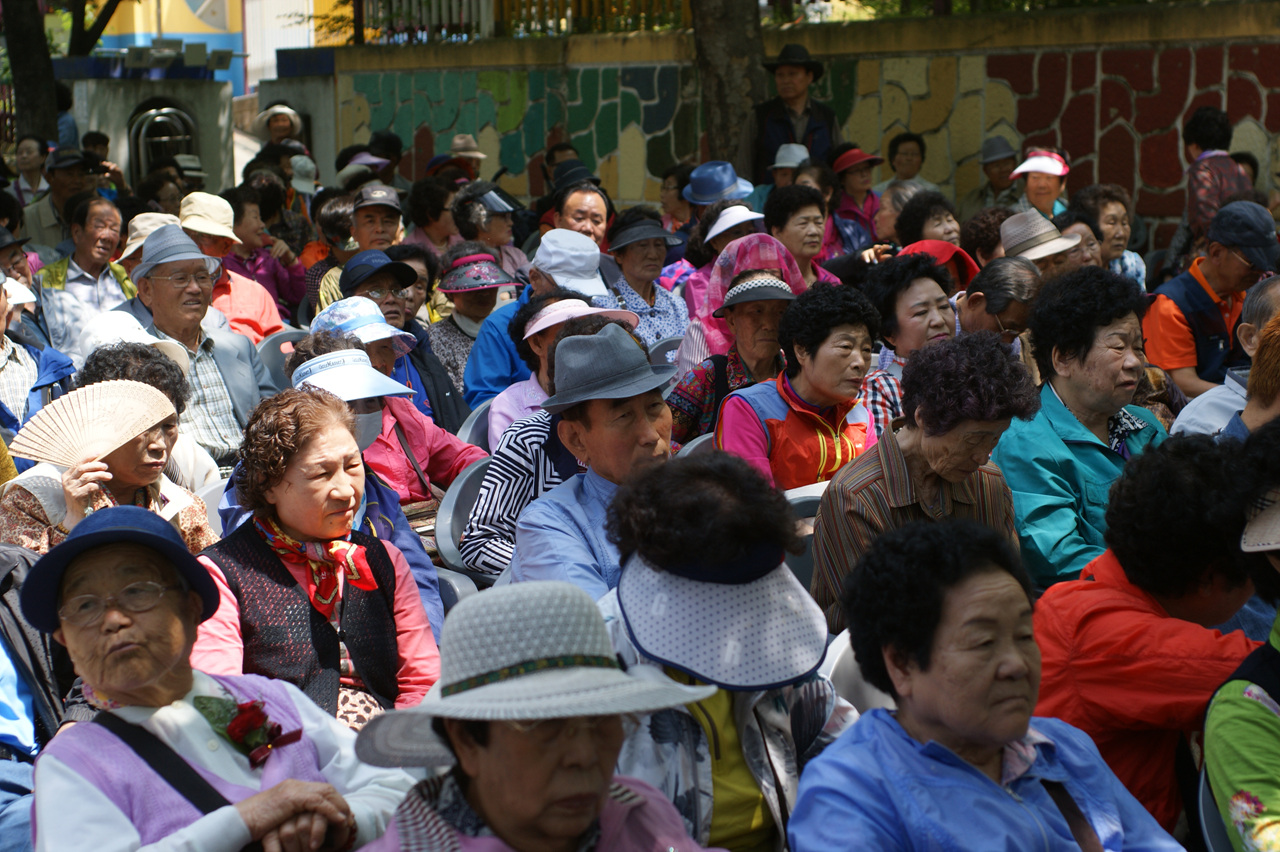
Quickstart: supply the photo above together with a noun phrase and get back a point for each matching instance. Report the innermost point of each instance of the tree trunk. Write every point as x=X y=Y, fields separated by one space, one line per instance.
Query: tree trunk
x=730 y=48
x=35 y=104
x=82 y=42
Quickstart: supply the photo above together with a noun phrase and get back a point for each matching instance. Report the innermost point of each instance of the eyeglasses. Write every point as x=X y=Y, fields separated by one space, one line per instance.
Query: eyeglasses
x=86 y=610
x=1006 y=332
x=182 y=280
x=1252 y=269
x=560 y=731
x=383 y=292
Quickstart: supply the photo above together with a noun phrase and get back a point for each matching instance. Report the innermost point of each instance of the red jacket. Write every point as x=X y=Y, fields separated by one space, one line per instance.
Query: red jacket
x=1133 y=677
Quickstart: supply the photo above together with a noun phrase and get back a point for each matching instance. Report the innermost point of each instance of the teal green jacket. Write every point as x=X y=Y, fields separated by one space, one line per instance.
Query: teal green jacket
x=1060 y=475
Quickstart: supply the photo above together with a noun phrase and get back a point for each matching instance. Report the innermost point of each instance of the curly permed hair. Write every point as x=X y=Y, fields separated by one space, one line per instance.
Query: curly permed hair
x=971 y=377
x=810 y=318
x=278 y=428
x=895 y=595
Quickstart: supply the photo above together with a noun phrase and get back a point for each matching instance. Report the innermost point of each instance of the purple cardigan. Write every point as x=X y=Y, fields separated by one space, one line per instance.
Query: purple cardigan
x=156 y=809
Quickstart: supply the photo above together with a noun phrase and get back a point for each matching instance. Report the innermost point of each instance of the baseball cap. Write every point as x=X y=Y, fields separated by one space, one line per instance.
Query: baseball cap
x=1247 y=226
x=376 y=195
x=572 y=259
x=367 y=263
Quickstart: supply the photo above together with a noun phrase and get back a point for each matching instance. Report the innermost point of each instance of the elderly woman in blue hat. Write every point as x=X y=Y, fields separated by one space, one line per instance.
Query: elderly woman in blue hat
x=639 y=243
x=178 y=757
x=529 y=716
x=706 y=598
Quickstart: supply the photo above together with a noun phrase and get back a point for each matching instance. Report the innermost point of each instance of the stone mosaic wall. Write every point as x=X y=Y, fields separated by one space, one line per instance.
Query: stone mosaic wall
x=1118 y=112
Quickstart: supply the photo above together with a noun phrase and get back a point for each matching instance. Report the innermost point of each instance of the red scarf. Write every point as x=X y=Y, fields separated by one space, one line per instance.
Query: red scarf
x=321 y=560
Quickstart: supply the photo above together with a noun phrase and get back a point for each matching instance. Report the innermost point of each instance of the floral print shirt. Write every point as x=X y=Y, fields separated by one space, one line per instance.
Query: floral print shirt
x=666 y=317
x=692 y=402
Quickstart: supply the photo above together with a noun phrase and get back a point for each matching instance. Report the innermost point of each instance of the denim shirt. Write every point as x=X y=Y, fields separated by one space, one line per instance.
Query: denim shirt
x=560 y=536
x=889 y=791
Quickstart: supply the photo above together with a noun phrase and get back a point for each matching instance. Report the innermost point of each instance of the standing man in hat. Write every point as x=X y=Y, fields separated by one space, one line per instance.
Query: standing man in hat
x=615 y=421
x=1190 y=327
x=998 y=161
x=790 y=117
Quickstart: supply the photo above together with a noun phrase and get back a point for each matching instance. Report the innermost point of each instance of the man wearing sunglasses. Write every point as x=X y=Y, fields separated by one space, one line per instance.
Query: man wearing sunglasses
x=1190 y=327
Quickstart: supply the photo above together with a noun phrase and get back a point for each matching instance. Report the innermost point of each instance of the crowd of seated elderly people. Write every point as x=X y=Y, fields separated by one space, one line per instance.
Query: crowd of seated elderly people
x=845 y=521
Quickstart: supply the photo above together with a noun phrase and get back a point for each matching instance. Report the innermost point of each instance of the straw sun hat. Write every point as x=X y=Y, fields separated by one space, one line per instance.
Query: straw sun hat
x=525 y=652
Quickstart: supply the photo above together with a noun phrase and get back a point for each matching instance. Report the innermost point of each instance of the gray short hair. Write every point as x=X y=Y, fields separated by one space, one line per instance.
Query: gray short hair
x=1005 y=280
x=899 y=192
x=1260 y=305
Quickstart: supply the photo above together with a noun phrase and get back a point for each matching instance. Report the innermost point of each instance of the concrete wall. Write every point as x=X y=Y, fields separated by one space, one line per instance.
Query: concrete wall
x=314 y=100
x=1111 y=86
x=107 y=105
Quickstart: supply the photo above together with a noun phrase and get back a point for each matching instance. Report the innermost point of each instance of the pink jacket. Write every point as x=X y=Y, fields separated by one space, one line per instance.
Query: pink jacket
x=441 y=455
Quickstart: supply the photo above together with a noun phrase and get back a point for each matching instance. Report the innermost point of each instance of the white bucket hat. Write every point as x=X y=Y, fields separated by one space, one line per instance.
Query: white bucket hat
x=141 y=226
x=790 y=155
x=761 y=634
x=207 y=214
x=524 y=652
x=729 y=218
x=111 y=327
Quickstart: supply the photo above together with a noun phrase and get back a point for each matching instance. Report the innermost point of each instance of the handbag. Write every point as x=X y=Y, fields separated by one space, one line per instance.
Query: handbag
x=170 y=766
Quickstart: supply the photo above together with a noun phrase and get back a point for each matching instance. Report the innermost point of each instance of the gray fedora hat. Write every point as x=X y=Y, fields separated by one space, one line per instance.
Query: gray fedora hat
x=168 y=244
x=606 y=365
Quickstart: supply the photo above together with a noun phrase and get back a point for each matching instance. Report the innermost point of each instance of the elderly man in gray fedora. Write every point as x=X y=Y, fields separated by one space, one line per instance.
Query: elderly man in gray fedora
x=998 y=160
x=1031 y=235
x=175 y=286
x=615 y=421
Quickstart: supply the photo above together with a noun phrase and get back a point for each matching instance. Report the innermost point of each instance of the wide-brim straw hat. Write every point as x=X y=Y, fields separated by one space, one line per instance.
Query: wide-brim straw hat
x=762 y=634
x=524 y=652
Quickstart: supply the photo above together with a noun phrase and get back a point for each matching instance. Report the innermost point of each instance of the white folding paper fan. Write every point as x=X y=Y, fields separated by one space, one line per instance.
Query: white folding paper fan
x=89 y=423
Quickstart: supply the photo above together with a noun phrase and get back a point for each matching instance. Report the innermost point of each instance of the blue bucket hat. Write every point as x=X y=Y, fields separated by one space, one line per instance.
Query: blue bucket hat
x=116 y=525
x=169 y=244
x=716 y=181
x=363 y=318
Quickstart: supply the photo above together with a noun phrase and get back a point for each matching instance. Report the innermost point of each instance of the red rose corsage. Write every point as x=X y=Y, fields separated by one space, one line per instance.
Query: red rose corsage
x=245 y=726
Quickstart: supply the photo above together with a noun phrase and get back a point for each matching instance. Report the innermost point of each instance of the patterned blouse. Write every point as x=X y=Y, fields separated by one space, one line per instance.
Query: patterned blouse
x=23 y=520
x=666 y=317
x=452 y=346
x=691 y=402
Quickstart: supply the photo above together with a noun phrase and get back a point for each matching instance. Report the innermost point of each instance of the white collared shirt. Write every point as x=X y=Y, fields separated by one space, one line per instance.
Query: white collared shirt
x=100 y=294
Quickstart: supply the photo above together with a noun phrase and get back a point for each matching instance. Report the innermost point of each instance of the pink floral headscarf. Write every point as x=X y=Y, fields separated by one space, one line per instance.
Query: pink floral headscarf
x=754 y=251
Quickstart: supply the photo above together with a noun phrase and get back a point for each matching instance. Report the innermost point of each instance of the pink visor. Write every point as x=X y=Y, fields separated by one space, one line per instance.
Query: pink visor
x=559 y=312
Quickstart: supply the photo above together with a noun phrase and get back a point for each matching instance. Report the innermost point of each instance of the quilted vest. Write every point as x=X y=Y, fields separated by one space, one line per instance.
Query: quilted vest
x=1216 y=345
x=286 y=637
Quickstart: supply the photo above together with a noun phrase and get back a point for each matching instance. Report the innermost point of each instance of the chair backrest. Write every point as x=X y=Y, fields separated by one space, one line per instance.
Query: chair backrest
x=1216 y=838
x=455 y=508
x=273 y=355
x=660 y=353
x=701 y=444
x=475 y=429
x=841 y=668
x=804 y=502
x=454 y=587
x=211 y=494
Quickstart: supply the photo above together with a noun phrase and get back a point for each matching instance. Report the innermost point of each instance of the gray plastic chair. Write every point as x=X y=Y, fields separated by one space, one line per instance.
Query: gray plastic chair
x=211 y=494
x=475 y=429
x=273 y=357
x=659 y=352
x=805 y=506
x=1211 y=825
x=454 y=587
x=841 y=668
x=451 y=520
x=701 y=444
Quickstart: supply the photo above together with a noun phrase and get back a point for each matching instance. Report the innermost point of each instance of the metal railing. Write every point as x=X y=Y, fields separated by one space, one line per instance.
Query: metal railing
x=414 y=21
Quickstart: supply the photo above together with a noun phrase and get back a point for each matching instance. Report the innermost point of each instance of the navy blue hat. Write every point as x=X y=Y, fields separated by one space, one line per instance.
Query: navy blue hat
x=367 y=263
x=116 y=525
x=1249 y=227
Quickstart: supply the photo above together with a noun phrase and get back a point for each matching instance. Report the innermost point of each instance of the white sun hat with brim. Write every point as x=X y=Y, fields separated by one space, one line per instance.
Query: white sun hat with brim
x=745 y=625
x=111 y=327
x=731 y=217
x=18 y=293
x=525 y=652
x=349 y=375
x=567 y=309
x=1045 y=162
x=141 y=226
x=260 y=121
